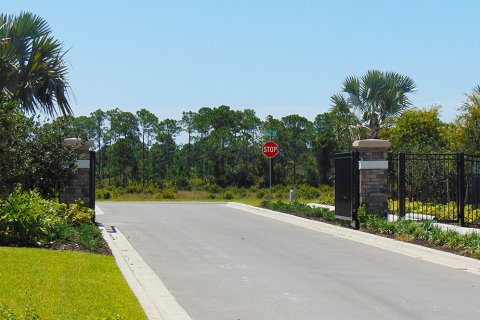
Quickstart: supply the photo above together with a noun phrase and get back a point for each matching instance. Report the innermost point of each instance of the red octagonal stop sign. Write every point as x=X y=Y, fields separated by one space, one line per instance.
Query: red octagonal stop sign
x=270 y=149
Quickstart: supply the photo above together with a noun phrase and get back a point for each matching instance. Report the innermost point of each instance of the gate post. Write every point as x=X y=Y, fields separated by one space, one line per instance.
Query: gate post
x=82 y=187
x=373 y=166
x=461 y=188
x=401 y=185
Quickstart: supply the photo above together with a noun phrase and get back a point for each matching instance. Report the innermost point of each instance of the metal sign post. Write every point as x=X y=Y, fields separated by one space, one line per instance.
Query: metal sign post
x=270 y=150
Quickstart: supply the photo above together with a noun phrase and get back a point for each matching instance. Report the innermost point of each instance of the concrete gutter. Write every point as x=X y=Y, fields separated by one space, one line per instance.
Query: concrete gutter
x=157 y=302
x=408 y=249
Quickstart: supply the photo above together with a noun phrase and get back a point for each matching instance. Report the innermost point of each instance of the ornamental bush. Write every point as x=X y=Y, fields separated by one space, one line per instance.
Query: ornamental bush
x=27 y=219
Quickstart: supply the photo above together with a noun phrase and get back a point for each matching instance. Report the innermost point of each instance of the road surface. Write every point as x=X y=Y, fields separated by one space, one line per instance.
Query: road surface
x=223 y=263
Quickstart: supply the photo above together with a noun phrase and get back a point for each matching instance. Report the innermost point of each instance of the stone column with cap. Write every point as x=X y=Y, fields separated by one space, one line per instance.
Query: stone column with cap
x=79 y=187
x=373 y=165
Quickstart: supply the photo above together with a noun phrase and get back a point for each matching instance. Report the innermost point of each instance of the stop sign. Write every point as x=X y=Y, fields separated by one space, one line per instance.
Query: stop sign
x=270 y=149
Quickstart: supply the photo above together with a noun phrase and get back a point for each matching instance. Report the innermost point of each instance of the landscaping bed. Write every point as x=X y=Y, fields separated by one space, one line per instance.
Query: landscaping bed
x=425 y=233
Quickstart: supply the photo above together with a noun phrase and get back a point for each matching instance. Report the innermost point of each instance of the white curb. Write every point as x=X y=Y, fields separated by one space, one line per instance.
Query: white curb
x=407 y=249
x=155 y=299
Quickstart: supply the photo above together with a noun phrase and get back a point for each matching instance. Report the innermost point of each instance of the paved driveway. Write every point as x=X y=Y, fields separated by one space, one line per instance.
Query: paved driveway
x=223 y=263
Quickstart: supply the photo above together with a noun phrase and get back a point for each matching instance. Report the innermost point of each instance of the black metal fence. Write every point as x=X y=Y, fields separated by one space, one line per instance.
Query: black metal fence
x=442 y=187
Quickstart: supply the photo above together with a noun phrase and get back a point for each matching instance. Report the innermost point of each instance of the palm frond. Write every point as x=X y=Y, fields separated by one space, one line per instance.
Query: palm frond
x=339 y=103
x=476 y=90
x=38 y=76
x=359 y=132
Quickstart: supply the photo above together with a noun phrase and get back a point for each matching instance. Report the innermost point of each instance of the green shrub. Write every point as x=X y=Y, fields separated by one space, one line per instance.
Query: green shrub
x=324 y=188
x=327 y=198
x=77 y=212
x=26 y=218
x=134 y=188
x=211 y=196
x=278 y=188
x=327 y=194
x=195 y=184
x=228 y=195
x=103 y=194
x=170 y=185
x=168 y=194
x=182 y=184
x=307 y=192
x=299 y=209
x=63 y=232
x=109 y=192
x=150 y=189
x=242 y=192
x=280 y=196
x=261 y=193
x=212 y=188
x=239 y=191
x=89 y=237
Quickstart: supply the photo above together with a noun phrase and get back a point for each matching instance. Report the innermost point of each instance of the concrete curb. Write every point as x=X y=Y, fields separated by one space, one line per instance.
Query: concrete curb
x=415 y=251
x=157 y=302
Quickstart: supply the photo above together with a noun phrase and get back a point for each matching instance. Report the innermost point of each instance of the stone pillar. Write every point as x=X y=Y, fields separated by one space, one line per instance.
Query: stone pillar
x=80 y=186
x=373 y=167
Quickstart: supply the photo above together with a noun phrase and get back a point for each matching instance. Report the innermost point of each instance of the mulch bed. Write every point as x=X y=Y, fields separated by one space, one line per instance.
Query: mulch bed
x=71 y=246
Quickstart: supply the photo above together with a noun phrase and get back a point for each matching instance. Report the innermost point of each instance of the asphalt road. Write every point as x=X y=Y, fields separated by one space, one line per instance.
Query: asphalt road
x=223 y=263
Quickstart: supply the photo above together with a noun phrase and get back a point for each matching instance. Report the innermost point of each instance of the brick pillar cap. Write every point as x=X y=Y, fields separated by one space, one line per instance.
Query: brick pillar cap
x=77 y=142
x=371 y=143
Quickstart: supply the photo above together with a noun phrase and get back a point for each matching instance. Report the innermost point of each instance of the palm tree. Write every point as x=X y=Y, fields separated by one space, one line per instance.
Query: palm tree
x=32 y=67
x=376 y=96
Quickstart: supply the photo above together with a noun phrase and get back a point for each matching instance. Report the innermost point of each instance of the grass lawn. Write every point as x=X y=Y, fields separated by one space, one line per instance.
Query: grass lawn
x=64 y=285
x=202 y=196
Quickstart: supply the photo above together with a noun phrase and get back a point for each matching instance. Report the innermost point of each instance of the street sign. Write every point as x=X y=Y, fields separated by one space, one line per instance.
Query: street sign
x=271 y=133
x=270 y=149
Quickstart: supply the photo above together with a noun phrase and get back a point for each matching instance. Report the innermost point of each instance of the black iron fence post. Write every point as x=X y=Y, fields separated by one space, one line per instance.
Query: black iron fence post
x=401 y=185
x=356 y=189
x=461 y=188
x=91 y=185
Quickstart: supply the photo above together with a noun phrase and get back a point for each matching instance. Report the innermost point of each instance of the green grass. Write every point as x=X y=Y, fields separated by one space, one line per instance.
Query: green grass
x=64 y=285
x=203 y=196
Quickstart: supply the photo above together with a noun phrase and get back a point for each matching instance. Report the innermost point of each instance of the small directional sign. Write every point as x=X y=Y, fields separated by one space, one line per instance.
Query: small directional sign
x=271 y=133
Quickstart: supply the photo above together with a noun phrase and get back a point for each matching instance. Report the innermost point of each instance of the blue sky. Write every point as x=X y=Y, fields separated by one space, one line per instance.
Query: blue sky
x=276 y=57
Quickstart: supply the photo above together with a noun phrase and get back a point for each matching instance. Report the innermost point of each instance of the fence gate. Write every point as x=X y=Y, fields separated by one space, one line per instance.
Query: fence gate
x=347 y=187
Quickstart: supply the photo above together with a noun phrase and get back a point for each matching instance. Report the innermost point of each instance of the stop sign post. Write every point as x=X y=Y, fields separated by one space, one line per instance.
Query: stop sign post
x=270 y=150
